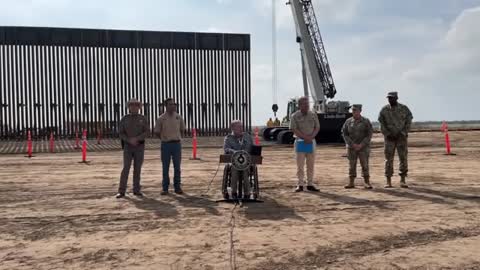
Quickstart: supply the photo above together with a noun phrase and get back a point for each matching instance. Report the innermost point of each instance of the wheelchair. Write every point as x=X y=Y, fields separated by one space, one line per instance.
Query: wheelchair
x=242 y=161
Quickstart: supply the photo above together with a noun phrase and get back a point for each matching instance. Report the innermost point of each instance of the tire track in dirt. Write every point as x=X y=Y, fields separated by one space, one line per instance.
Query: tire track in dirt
x=327 y=255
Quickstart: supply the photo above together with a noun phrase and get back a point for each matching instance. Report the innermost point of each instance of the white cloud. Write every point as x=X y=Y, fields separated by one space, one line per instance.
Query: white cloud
x=465 y=32
x=283 y=13
x=371 y=71
x=339 y=11
x=214 y=29
x=262 y=72
x=457 y=53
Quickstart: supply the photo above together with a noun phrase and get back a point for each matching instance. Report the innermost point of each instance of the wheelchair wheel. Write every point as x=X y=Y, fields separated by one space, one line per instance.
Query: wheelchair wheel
x=251 y=179
x=240 y=187
x=226 y=182
x=255 y=185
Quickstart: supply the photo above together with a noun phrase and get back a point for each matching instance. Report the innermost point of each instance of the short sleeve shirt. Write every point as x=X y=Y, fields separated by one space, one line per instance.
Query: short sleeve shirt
x=306 y=123
x=170 y=127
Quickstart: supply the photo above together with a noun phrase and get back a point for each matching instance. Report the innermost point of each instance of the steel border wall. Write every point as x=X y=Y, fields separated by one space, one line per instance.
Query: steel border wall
x=65 y=80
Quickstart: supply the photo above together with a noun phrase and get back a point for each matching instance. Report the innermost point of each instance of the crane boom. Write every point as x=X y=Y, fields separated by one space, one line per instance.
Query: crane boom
x=314 y=58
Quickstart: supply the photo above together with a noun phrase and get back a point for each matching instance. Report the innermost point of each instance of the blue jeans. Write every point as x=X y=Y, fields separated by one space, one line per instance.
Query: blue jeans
x=171 y=151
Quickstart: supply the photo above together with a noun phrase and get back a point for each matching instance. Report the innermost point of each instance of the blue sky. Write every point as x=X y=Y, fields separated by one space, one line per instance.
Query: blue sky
x=426 y=50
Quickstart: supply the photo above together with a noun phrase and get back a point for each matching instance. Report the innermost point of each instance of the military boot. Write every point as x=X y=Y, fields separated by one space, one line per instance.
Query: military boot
x=403 y=182
x=367 y=183
x=389 y=183
x=351 y=183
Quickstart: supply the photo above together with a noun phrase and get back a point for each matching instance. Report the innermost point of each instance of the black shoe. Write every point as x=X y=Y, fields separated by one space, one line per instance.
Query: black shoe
x=120 y=195
x=299 y=189
x=313 y=188
x=179 y=191
x=165 y=192
x=368 y=186
x=138 y=194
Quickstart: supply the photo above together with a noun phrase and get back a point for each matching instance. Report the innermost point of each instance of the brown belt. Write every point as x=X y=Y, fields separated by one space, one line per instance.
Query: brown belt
x=174 y=141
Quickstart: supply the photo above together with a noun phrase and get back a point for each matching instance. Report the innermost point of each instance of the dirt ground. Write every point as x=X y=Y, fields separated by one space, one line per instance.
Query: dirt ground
x=58 y=214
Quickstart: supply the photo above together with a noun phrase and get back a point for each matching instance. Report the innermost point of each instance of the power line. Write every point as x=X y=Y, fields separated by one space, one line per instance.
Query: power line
x=274 y=53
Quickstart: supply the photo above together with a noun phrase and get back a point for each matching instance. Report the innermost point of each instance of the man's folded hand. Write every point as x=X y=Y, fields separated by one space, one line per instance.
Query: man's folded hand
x=133 y=141
x=392 y=137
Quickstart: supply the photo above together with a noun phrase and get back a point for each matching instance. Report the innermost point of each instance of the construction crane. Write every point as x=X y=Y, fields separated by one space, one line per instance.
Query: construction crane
x=318 y=82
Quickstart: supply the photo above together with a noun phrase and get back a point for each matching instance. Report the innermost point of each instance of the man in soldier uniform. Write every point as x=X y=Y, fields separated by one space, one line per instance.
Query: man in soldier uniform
x=169 y=128
x=357 y=133
x=133 y=130
x=236 y=141
x=395 y=120
x=305 y=126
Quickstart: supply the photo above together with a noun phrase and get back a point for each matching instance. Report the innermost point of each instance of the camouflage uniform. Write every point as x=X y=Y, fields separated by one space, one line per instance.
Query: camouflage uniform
x=395 y=124
x=358 y=132
x=132 y=126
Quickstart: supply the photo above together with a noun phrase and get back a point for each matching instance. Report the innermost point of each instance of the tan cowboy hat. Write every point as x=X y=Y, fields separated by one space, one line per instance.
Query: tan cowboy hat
x=134 y=101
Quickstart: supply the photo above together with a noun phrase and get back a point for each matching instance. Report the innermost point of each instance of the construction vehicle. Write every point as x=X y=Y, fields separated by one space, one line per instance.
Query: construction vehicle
x=318 y=82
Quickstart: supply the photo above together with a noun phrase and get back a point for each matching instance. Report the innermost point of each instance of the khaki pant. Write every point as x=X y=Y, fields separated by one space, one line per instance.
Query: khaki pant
x=236 y=176
x=361 y=155
x=401 y=145
x=310 y=158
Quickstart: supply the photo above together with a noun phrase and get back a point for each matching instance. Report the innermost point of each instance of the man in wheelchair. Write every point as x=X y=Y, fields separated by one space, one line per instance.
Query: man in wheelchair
x=237 y=141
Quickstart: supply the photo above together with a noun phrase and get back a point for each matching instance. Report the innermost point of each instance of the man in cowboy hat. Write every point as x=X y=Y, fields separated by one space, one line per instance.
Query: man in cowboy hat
x=395 y=120
x=133 y=130
x=357 y=133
